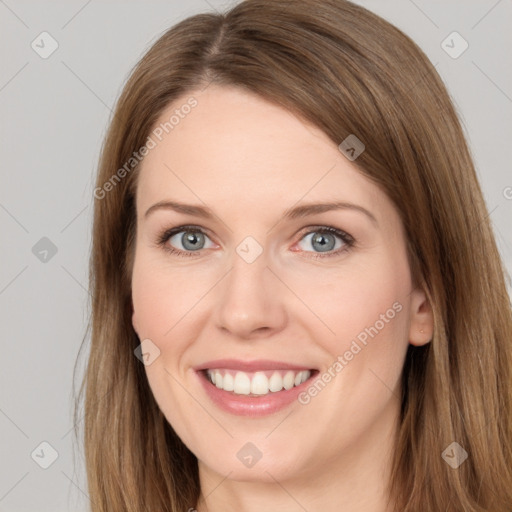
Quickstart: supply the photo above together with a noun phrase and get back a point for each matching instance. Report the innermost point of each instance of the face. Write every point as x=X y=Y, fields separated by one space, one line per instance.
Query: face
x=276 y=330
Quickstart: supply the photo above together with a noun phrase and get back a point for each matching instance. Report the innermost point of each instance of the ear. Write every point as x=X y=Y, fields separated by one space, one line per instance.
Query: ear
x=421 y=327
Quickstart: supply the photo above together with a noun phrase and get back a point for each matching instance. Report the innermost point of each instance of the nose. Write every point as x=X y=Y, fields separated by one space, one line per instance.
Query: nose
x=250 y=301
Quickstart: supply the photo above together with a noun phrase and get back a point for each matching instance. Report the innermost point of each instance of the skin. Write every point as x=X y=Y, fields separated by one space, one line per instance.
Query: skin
x=248 y=161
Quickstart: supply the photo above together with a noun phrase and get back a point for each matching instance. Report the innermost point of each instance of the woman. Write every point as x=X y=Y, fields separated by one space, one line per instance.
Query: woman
x=298 y=303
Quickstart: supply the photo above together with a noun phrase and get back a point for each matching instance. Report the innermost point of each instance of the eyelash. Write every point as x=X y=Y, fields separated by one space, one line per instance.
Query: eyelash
x=347 y=239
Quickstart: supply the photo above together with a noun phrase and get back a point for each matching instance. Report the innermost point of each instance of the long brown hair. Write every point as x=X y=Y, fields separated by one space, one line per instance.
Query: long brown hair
x=347 y=71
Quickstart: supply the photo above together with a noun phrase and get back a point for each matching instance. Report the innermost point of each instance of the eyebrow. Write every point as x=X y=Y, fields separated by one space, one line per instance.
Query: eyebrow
x=290 y=214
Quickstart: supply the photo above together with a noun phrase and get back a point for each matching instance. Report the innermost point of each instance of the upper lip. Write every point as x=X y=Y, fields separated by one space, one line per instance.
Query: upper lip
x=250 y=366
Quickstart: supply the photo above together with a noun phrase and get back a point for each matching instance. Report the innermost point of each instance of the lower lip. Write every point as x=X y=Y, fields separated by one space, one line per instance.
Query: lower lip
x=254 y=406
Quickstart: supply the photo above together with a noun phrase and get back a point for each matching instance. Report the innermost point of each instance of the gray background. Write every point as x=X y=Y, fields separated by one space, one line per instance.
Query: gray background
x=54 y=114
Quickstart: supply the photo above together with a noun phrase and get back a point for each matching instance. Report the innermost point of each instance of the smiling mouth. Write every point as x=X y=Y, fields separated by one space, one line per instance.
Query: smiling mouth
x=257 y=384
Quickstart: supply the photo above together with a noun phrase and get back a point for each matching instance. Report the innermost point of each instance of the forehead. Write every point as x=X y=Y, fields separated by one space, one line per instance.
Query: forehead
x=235 y=148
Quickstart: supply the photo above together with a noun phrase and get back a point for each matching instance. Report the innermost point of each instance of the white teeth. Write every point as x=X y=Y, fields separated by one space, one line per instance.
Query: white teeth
x=242 y=385
x=257 y=383
x=276 y=382
x=288 y=380
x=229 y=383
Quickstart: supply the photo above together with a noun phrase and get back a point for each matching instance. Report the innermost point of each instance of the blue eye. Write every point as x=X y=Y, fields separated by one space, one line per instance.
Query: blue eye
x=192 y=239
x=324 y=240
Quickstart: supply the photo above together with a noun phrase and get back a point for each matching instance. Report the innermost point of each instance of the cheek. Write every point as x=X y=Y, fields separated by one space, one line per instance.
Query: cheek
x=366 y=312
x=161 y=298
x=367 y=309
x=354 y=300
x=163 y=302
